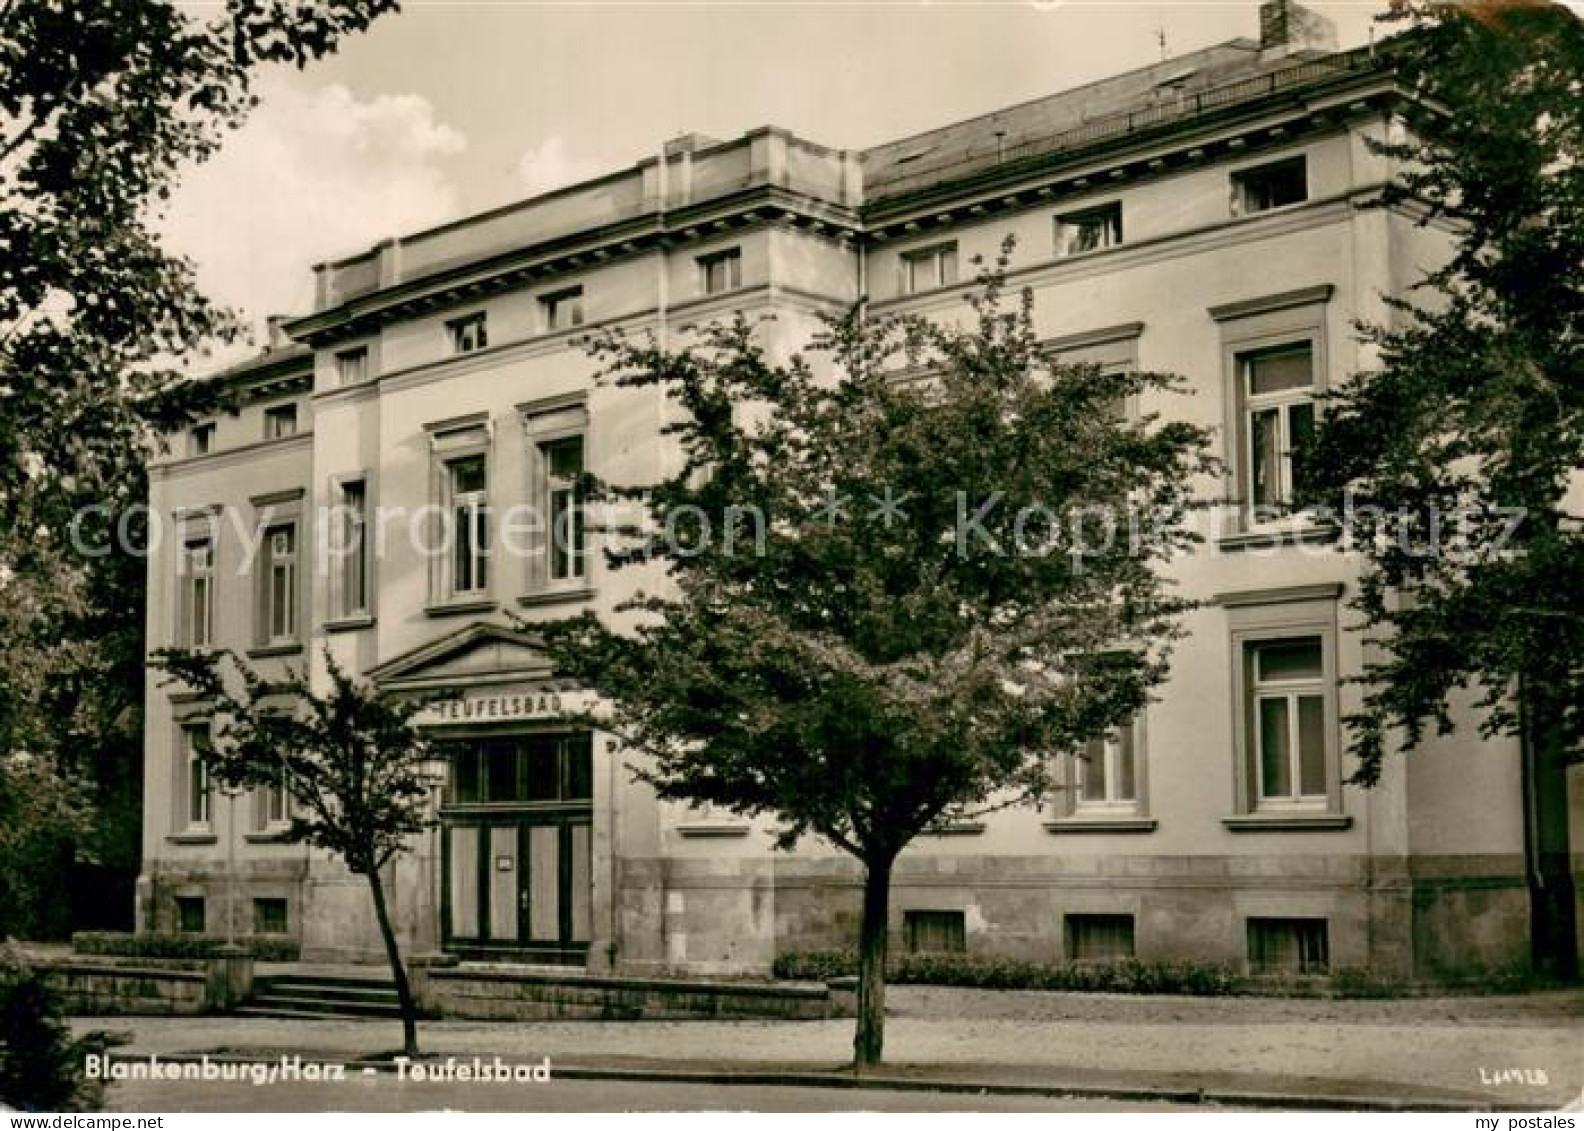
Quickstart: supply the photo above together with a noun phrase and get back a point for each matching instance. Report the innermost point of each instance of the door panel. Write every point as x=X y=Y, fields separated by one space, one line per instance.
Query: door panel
x=580 y=882
x=462 y=877
x=503 y=882
x=544 y=883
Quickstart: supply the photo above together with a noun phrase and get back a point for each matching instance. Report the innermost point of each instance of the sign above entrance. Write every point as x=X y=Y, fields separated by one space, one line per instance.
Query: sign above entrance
x=499 y=707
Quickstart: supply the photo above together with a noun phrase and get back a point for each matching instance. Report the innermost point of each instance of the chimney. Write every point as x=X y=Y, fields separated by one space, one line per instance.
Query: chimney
x=276 y=336
x=688 y=143
x=1287 y=27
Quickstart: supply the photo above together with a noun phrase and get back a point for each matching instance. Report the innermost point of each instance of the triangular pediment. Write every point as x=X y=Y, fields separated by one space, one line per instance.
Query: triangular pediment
x=477 y=653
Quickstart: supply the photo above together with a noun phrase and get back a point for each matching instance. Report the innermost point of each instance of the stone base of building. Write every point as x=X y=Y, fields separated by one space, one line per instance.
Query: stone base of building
x=1440 y=920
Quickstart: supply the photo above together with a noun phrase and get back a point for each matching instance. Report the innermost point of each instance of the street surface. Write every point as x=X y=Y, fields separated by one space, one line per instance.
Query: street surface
x=386 y=1093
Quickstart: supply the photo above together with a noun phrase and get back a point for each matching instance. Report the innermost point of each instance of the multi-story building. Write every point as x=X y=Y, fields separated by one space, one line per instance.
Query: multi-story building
x=1200 y=215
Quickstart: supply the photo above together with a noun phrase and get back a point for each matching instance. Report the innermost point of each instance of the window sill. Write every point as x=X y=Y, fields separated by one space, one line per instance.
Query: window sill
x=194 y=837
x=458 y=607
x=556 y=597
x=956 y=828
x=712 y=830
x=264 y=651
x=349 y=624
x=1287 y=822
x=267 y=836
x=1109 y=825
x=1270 y=537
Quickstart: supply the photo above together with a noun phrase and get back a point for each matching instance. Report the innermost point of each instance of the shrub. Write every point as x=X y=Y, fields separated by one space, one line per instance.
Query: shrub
x=41 y=1063
x=991 y=973
x=122 y=944
x=814 y=965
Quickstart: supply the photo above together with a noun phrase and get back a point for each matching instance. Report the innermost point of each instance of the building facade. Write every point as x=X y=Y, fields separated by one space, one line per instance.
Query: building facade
x=1198 y=216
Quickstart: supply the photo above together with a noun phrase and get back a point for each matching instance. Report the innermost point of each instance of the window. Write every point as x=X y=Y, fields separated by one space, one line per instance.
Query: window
x=563 y=464
x=352 y=366
x=1287 y=709
x=523 y=768
x=1278 y=389
x=929 y=267
x=272 y=807
x=269 y=917
x=1269 y=186
x=1288 y=946
x=198 y=791
x=1089 y=230
x=1106 y=772
x=280 y=422
x=562 y=310
x=280 y=584
x=557 y=552
x=200 y=441
x=190 y=914
x=934 y=932
x=353 y=549
x=1099 y=938
x=469 y=510
x=1284 y=694
x=720 y=272
x=198 y=592
x=468 y=334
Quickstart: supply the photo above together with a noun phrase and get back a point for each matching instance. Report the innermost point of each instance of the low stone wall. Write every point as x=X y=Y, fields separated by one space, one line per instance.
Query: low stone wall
x=149 y=987
x=93 y=987
x=532 y=996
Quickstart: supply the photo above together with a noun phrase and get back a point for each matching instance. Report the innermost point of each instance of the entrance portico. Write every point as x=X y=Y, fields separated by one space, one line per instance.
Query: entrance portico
x=523 y=872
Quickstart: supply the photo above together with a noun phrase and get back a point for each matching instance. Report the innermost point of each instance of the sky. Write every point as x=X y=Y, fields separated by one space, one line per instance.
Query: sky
x=455 y=106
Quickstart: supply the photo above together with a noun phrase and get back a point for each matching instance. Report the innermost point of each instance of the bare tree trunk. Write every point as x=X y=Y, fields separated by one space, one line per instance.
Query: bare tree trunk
x=869 y=1040
x=404 y=997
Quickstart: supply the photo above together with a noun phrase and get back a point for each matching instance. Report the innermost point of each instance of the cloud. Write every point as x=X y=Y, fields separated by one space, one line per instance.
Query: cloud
x=314 y=174
x=552 y=165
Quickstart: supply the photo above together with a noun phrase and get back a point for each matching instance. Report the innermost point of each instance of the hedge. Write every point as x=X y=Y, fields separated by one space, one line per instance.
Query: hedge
x=123 y=944
x=1127 y=977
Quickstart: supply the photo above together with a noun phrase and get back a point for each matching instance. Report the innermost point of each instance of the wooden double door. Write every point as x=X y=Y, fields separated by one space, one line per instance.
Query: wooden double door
x=519 y=885
x=517 y=848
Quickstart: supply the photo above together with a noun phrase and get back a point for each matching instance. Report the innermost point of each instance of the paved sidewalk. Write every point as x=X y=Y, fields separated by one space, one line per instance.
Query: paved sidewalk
x=1502 y=1052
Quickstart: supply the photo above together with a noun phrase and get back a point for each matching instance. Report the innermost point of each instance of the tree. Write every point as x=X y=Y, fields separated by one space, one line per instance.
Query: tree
x=41 y=1063
x=354 y=765
x=1458 y=458
x=103 y=103
x=893 y=601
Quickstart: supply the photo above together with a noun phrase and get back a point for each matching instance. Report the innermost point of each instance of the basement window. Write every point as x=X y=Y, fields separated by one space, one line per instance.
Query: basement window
x=934 y=932
x=269 y=917
x=1288 y=946
x=190 y=914
x=1099 y=938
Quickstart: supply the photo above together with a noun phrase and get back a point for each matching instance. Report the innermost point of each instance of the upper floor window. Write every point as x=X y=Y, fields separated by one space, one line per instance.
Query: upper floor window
x=1089 y=230
x=563 y=465
x=1269 y=186
x=562 y=310
x=1287 y=712
x=466 y=481
x=721 y=271
x=280 y=422
x=200 y=441
x=1277 y=388
x=272 y=807
x=353 y=551
x=197 y=606
x=929 y=267
x=1107 y=771
x=468 y=334
x=280 y=584
x=197 y=791
x=352 y=366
